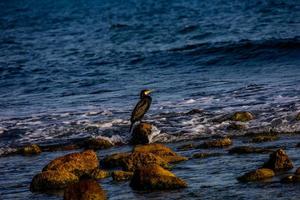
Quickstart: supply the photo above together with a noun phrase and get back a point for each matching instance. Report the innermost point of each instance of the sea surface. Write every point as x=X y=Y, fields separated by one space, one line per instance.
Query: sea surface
x=74 y=69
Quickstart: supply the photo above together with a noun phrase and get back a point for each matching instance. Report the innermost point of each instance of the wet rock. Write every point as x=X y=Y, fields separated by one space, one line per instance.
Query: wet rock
x=160 y=150
x=97 y=143
x=236 y=126
x=119 y=175
x=32 y=149
x=154 y=177
x=77 y=163
x=99 y=174
x=84 y=190
x=186 y=147
x=265 y=138
x=248 y=149
x=141 y=134
x=132 y=161
x=242 y=116
x=297 y=171
x=51 y=180
x=217 y=143
x=206 y=155
x=291 y=179
x=59 y=147
x=279 y=161
x=257 y=175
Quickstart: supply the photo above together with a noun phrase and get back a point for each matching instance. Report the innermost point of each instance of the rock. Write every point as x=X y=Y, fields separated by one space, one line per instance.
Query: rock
x=297 y=171
x=206 y=155
x=194 y=111
x=59 y=147
x=160 y=150
x=84 y=190
x=248 y=149
x=236 y=126
x=186 y=147
x=52 y=180
x=242 y=116
x=291 y=179
x=154 y=177
x=217 y=143
x=97 y=143
x=279 y=161
x=99 y=174
x=132 y=161
x=77 y=163
x=32 y=149
x=121 y=175
x=141 y=133
x=256 y=175
x=265 y=138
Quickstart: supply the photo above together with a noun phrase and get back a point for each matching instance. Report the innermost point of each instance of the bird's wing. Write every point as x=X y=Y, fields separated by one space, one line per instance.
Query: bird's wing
x=139 y=110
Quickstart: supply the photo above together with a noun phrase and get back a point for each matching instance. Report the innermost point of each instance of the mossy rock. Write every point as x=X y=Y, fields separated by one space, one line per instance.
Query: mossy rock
x=32 y=149
x=217 y=143
x=242 y=116
x=205 y=155
x=99 y=174
x=264 y=138
x=97 y=143
x=279 y=161
x=52 y=180
x=154 y=177
x=85 y=190
x=257 y=175
x=160 y=150
x=120 y=175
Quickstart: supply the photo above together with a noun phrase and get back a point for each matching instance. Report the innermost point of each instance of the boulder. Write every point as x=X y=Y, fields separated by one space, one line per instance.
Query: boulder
x=206 y=155
x=257 y=175
x=242 y=116
x=217 y=143
x=97 y=143
x=141 y=133
x=119 y=175
x=99 y=174
x=84 y=190
x=154 y=177
x=32 y=149
x=264 y=138
x=160 y=150
x=52 y=180
x=132 y=161
x=279 y=161
x=77 y=163
x=248 y=149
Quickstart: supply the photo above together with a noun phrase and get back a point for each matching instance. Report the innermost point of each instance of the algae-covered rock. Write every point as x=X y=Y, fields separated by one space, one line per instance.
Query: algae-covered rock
x=119 y=175
x=77 y=163
x=59 y=147
x=32 y=149
x=264 y=138
x=99 y=174
x=132 y=161
x=248 y=149
x=279 y=161
x=141 y=133
x=242 y=116
x=154 y=177
x=257 y=175
x=85 y=190
x=160 y=150
x=217 y=143
x=205 y=155
x=51 y=180
x=97 y=143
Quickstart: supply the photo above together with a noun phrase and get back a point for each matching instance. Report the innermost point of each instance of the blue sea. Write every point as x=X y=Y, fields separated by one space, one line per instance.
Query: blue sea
x=74 y=69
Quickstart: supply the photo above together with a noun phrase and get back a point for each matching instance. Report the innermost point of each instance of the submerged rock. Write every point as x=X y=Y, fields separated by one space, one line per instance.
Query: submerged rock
x=154 y=177
x=242 y=116
x=291 y=179
x=77 y=163
x=32 y=149
x=186 y=147
x=217 y=143
x=257 y=175
x=51 y=180
x=279 y=161
x=97 y=143
x=141 y=133
x=206 y=155
x=119 y=175
x=248 y=149
x=265 y=138
x=132 y=161
x=160 y=150
x=236 y=126
x=84 y=190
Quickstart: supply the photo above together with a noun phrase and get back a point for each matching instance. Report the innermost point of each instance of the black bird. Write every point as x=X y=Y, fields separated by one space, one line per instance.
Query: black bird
x=141 y=107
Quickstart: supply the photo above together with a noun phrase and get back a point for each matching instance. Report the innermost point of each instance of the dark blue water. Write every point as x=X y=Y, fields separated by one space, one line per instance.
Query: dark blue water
x=67 y=65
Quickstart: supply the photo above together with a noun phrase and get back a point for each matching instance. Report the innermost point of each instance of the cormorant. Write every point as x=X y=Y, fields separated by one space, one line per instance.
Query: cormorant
x=141 y=107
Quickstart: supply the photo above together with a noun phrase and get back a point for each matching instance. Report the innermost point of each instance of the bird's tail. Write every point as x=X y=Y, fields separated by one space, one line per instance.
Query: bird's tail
x=131 y=125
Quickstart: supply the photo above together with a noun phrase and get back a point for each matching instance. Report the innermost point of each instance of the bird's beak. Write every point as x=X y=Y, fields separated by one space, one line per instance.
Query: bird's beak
x=148 y=92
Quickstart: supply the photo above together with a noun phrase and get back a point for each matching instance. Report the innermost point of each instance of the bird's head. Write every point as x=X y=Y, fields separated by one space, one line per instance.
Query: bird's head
x=145 y=93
